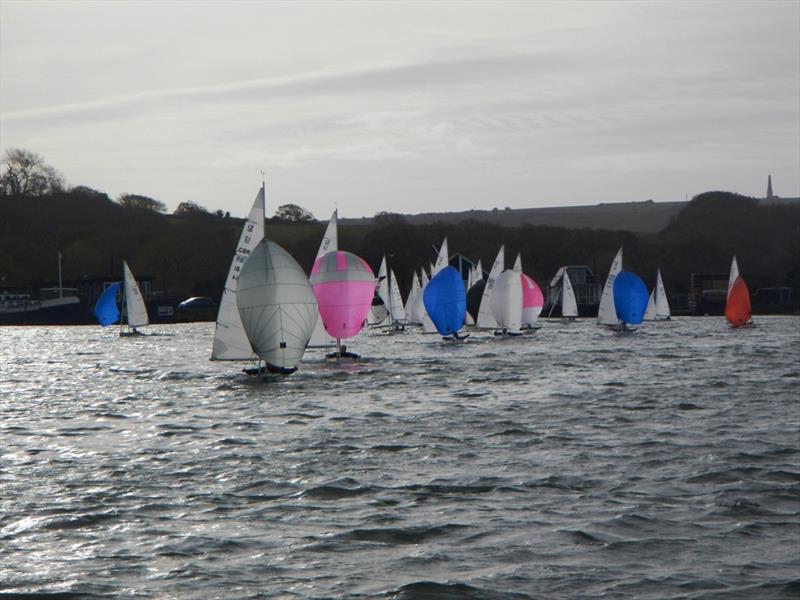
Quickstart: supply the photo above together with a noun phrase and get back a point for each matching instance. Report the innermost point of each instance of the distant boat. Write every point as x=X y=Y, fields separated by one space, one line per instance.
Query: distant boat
x=134 y=311
x=329 y=243
x=565 y=295
x=389 y=293
x=485 y=318
x=277 y=307
x=230 y=339
x=532 y=297
x=344 y=285
x=630 y=300
x=442 y=261
x=446 y=303
x=738 y=311
x=658 y=305
x=506 y=303
x=607 y=313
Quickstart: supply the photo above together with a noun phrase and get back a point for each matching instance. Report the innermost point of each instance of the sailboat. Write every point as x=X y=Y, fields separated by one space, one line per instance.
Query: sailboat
x=446 y=303
x=565 y=295
x=532 y=297
x=389 y=293
x=658 y=305
x=134 y=311
x=630 y=300
x=344 y=285
x=329 y=243
x=506 y=303
x=230 y=339
x=485 y=318
x=738 y=311
x=277 y=307
x=607 y=313
x=442 y=261
x=411 y=302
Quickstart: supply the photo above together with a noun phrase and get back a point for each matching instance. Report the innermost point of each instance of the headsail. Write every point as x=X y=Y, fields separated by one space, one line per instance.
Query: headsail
x=230 y=339
x=446 y=301
x=630 y=298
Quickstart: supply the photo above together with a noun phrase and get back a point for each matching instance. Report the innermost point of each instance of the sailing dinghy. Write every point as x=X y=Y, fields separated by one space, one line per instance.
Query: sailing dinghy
x=134 y=311
x=344 y=285
x=738 y=311
x=658 y=305
x=446 y=303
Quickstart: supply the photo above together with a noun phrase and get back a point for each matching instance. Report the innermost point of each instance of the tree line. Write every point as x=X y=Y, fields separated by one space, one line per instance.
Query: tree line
x=189 y=251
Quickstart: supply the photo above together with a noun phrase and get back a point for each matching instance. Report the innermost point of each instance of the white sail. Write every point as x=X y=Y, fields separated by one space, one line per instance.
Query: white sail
x=383 y=283
x=419 y=305
x=569 y=307
x=230 y=340
x=485 y=317
x=329 y=243
x=662 y=303
x=276 y=304
x=412 y=300
x=442 y=259
x=518 y=263
x=396 y=309
x=607 y=315
x=506 y=301
x=135 y=310
x=650 y=311
x=734 y=275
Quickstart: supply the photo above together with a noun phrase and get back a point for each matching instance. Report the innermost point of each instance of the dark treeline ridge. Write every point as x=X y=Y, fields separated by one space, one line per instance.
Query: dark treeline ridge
x=189 y=253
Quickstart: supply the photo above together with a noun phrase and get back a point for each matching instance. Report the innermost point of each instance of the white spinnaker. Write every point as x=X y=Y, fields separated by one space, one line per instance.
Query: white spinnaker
x=230 y=340
x=277 y=305
x=485 y=317
x=135 y=310
x=662 y=303
x=506 y=301
x=569 y=307
x=329 y=243
x=734 y=275
x=607 y=314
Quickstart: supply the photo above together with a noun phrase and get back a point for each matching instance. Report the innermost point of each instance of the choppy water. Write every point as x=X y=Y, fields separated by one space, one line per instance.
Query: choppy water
x=572 y=463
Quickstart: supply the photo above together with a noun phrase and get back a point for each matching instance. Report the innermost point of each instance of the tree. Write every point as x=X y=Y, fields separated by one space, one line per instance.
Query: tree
x=389 y=218
x=190 y=208
x=136 y=201
x=293 y=214
x=26 y=174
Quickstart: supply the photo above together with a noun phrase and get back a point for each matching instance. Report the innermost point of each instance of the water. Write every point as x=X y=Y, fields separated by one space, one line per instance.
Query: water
x=571 y=463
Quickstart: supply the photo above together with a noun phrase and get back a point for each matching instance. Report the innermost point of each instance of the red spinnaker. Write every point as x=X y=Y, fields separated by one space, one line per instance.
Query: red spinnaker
x=737 y=309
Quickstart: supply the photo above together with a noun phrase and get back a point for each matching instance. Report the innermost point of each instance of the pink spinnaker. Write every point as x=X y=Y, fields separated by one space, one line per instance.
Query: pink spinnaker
x=344 y=285
x=532 y=299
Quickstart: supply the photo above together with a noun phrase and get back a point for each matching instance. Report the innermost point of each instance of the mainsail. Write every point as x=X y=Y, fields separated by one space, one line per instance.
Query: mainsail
x=485 y=318
x=607 y=314
x=135 y=309
x=329 y=243
x=230 y=339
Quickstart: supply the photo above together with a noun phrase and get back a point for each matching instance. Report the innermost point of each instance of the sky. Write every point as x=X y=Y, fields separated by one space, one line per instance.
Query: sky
x=404 y=106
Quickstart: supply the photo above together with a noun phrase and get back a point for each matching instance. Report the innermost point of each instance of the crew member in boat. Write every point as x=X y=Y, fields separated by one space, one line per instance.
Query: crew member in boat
x=342 y=353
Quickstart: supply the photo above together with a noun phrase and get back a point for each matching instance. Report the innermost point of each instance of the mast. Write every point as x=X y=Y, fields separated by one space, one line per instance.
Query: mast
x=60 y=285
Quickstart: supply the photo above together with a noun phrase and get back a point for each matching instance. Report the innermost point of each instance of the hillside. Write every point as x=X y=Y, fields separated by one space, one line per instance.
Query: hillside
x=639 y=217
x=189 y=255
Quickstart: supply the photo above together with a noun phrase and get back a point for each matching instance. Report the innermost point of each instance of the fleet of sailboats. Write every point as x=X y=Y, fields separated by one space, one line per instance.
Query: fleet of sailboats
x=271 y=311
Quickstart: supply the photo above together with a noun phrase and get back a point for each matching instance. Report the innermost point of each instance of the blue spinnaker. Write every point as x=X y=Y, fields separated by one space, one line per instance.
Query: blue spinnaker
x=106 y=309
x=630 y=298
x=446 y=301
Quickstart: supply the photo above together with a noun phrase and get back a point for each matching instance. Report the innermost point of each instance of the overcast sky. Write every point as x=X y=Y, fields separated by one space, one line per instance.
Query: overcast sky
x=406 y=107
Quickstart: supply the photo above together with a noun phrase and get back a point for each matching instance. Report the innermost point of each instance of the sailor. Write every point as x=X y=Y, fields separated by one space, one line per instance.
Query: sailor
x=342 y=353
